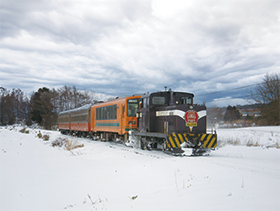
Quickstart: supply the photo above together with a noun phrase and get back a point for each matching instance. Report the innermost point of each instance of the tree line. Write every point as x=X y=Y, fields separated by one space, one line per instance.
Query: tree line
x=41 y=107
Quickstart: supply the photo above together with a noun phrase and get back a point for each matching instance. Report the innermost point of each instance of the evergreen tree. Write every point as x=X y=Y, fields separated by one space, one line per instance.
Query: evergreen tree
x=232 y=114
x=43 y=111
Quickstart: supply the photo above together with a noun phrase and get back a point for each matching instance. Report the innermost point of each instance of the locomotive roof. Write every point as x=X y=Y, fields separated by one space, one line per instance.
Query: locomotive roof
x=170 y=91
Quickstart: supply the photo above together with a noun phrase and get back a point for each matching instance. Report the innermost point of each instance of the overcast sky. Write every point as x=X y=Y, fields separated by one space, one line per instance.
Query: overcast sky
x=123 y=47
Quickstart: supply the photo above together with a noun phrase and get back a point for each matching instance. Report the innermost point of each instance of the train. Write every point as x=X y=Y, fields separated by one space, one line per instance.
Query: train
x=164 y=120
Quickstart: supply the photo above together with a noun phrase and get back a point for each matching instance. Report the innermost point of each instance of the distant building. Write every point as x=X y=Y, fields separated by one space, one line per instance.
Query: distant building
x=250 y=112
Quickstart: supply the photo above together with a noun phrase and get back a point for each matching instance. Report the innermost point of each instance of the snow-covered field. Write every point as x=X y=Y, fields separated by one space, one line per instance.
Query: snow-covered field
x=255 y=136
x=108 y=176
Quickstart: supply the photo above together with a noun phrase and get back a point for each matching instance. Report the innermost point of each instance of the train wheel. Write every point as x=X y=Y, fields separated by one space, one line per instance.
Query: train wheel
x=143 y=143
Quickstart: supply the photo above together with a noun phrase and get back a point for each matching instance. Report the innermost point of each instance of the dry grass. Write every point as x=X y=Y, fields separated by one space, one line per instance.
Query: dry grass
x=250 y=143
x=236 y=142
x=70 y=145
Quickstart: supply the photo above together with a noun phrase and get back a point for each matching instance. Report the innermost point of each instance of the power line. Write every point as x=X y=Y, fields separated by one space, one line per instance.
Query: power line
x=237 y=88
x=226 y=90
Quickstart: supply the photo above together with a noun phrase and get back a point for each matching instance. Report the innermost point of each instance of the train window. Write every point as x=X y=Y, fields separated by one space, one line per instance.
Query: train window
x=132 y=107
x=103 y=113
x=63 y=119
x=145 y=103
x=186 y=100
x=97 y=113
x=79 y=118
x=113 y=112
x=140 y=104
x=158 y=100
x=108 y=112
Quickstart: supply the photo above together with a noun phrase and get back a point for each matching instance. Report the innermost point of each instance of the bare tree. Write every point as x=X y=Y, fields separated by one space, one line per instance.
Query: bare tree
x=268 y=95
x=3 y=93
x=13 y=107
x=70 y=97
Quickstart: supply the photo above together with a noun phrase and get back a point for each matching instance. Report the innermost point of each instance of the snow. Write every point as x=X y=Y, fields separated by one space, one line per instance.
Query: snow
x=262 y=136
x=110 y=176
x=84 y=107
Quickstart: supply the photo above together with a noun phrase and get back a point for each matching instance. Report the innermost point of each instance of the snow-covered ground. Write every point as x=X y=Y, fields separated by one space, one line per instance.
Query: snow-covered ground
x=255 y=136
x=108 y=176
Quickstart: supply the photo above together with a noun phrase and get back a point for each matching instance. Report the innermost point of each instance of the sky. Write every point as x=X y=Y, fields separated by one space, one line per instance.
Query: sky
x=126 y=47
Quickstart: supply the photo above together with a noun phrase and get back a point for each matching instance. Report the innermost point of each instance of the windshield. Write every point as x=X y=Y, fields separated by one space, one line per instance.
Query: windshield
x=186 y=100
x=158 y=100
x=132 y=106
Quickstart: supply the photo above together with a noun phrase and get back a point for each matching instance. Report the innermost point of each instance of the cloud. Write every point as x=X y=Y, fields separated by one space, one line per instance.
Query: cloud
x=124 y=47
x=224 y=102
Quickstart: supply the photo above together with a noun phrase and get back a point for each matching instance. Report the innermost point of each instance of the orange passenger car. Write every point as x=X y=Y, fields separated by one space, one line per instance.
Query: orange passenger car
x=116 y=117
x=75 y=120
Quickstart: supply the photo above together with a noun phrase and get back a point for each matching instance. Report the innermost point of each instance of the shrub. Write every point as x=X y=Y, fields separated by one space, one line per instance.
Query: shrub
x=59 y=142
x=27 y=132
x=22 y=130
x=46 y=137
x=39 y=135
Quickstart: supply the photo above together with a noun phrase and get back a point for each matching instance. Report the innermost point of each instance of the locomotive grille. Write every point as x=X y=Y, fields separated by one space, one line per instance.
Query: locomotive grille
x=209 y=140
x=175 y=140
